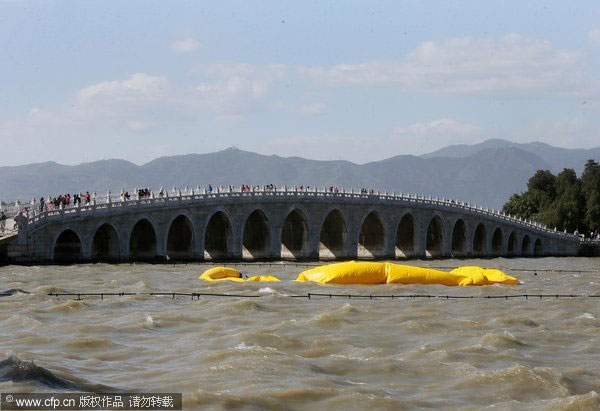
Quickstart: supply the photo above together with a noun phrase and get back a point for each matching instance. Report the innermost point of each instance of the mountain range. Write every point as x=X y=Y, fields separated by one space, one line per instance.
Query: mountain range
x=485 y=174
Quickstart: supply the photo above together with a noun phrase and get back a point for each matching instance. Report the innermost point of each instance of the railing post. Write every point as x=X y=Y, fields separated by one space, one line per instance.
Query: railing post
x=109 y=199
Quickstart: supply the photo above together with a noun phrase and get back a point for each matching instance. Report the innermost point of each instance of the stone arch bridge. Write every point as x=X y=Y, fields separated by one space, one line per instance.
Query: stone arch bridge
x=278 y=224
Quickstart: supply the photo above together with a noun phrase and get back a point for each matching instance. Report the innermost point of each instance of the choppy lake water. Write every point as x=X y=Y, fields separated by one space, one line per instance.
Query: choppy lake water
x=277 y=352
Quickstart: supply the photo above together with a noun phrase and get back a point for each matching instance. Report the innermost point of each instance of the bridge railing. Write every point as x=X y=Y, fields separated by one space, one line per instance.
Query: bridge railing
x=38 y=215
x=7 y=228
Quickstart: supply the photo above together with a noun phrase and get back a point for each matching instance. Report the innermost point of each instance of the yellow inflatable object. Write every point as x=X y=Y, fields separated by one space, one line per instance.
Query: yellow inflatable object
x=346 y=273
x=263 y=278
x=387 y=273
x=231 y=274
x=405 y=274
x=483 y=276
x=221 y=273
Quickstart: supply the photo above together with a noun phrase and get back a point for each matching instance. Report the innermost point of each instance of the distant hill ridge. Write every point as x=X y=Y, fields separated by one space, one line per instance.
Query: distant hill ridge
x=486 y=173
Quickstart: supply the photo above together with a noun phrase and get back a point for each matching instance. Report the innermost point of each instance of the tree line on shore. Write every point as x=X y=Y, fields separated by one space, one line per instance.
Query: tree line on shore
x=564 y=201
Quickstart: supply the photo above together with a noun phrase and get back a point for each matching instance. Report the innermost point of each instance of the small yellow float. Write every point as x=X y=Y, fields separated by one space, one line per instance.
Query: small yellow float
x=231 y=274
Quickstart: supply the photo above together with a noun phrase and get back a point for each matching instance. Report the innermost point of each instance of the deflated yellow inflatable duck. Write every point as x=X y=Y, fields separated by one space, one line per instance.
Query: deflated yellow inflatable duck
x=353 y=272
x=231 y=274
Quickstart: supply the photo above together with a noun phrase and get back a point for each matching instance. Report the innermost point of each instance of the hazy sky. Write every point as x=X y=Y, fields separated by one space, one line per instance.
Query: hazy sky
x=357 y=80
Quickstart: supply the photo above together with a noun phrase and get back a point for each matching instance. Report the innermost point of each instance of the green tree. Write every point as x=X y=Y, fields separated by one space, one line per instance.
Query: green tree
x=590 y=185
x=592 y=214
x=543 y=181
x=567 y=211
x=521 y=205
x=563 y=201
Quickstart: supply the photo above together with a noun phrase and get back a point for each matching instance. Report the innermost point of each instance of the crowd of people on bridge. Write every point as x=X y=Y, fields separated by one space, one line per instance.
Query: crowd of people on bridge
x=64 y=201
x=73 y=200
x=590 y=236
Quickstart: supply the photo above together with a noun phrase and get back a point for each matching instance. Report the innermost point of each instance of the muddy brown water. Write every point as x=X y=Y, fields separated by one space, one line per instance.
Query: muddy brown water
x=277 y=352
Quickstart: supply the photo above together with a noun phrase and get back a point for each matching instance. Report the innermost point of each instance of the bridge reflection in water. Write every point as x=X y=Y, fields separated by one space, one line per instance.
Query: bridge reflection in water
x=280 y=224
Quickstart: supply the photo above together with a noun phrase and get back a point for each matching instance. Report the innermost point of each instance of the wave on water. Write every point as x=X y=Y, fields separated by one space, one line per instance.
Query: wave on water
x=504 y=340
x=16 y=370
x=12 y=291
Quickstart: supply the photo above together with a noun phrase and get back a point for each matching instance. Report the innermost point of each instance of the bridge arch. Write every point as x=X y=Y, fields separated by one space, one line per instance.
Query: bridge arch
x=106 y=243
x=526 y=246
x=497 y=242
x=371 y=239
x=218 y=235
x=179 y=241
x=334 y=235
x=256 y=235
x=513 y=247
x=434 y=245
x=143 y=244
x=479 y=241
x=67 y=246
x=459 y=238
x=537 y=248
x=294 y=234
x=406 y=238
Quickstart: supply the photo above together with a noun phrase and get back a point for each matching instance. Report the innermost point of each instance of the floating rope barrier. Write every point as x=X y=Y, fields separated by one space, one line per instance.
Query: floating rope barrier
x=310 y=296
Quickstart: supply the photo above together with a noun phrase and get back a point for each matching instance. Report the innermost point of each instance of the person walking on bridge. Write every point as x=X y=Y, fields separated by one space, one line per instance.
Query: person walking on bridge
x=3 y=219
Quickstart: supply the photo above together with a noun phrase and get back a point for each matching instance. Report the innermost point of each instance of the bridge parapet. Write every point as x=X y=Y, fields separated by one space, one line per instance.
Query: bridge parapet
x=116 y=204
